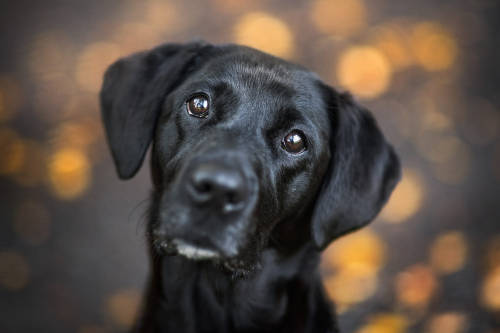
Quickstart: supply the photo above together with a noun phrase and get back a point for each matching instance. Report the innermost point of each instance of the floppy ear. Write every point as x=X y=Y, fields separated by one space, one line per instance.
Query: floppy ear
x=363 y=172
x=131 y=96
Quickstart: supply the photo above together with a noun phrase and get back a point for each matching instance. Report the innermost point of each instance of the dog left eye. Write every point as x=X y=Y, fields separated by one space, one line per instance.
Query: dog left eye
x=198 y=105
x=294 y=142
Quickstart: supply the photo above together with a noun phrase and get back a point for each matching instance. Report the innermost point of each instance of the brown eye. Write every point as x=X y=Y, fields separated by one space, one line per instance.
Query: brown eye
x=198 y=106
x=294 y=142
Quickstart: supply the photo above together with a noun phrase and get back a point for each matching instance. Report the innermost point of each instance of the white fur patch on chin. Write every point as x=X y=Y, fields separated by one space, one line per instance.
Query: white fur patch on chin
x=192 y=252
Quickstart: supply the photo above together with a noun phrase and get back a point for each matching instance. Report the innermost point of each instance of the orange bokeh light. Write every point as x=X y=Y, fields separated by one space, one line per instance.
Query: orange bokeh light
x=351 y=285
x=392 y=40
x=363 y=248
x=355 y=260
x=164 y=16
x=434 y=47
x=122 y=307
x=407 y=198
x=69 y=173
x=93 y=62
x=416 y=285
x=492 y=258
x=385 y=323
x=449 y=322
x=339 y=18
x=490 y=291
x=265 y=32
x=448 y=253
x=364 y=70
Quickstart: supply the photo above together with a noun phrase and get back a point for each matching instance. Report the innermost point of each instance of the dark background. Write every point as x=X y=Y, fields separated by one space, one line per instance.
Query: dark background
x=72 y=250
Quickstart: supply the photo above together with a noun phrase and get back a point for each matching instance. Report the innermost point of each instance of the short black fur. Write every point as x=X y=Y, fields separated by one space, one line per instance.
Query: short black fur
x=237 y=223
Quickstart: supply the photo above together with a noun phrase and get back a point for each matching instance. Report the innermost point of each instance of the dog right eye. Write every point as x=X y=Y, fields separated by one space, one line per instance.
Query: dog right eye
x=294 y=142
x=198 y=105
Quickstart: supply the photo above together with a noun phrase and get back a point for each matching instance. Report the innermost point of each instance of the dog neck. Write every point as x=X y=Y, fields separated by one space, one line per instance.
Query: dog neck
x=284 y=294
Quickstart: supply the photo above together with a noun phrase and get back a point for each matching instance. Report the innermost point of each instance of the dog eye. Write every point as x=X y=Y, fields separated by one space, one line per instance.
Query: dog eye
x=294 y=142
x=198 y=106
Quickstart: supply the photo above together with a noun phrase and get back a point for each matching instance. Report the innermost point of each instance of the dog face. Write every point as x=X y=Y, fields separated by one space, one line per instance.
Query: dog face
x=249 y=151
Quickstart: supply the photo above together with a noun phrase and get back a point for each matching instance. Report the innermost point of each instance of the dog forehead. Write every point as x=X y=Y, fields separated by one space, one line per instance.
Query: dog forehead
x=247 y=67
x=266 y=82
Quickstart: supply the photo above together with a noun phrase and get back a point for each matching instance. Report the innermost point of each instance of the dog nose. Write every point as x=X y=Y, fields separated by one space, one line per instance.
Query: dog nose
x=219 y=186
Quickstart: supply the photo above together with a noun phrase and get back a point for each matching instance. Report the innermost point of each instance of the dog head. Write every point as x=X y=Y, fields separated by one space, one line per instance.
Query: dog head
x=248 y=151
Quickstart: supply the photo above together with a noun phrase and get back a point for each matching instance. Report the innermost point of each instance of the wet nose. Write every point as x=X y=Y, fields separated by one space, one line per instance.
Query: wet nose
x=218 y=186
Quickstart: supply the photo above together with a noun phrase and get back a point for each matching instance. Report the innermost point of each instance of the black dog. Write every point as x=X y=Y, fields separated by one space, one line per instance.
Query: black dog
x=257 y=166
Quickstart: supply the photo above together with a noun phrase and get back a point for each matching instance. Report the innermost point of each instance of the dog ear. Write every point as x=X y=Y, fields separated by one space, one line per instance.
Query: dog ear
x=362 y=173
x=132 y=94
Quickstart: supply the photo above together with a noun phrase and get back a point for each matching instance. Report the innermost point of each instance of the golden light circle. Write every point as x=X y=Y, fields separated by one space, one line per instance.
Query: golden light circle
x=363 y=248
x=79 y=135
x=392 y=40
x=416 y=285
x=490 y=291
x=164 y=16
x=364 y=70
x=69 y=173
x=386 y=323
x=448 y=253
x=434 y=47
x=351 y=285
x=32 y=222
x=48 y=56
x=492 y=258
x=93 y=62
x=123 y=306
x=14 y=270
x=449 y=322
x=339 y=18
x=266 y=33
x=407 y=198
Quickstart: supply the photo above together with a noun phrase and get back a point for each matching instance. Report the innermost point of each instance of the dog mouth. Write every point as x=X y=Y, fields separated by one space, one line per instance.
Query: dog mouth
x=178 y=247
x=181 y=247
x=193 y=252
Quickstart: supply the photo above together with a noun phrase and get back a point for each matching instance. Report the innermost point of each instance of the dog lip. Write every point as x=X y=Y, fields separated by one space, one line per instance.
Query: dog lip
x=193 y=252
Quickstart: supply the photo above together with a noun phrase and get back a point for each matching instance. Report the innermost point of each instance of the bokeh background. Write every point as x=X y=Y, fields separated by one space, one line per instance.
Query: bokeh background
x=72 y=250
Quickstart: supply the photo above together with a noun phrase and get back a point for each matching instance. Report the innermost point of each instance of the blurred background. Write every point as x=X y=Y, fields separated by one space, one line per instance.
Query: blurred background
x=72 y=250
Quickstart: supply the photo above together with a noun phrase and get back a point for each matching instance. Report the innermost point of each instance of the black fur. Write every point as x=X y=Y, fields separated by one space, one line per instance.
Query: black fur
x=237 y=223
